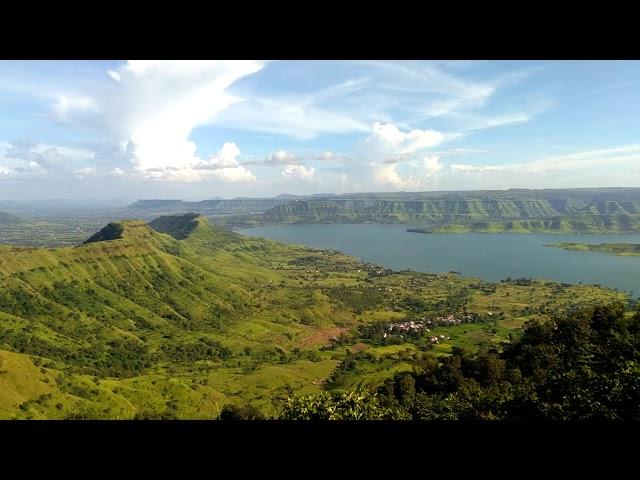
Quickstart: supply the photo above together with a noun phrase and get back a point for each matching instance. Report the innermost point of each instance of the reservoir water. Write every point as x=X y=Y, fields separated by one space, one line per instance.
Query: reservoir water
x=489 y=256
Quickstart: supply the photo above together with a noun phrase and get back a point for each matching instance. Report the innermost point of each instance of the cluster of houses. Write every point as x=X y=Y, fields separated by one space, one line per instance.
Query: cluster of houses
x=449 y=320
x=414 y=327
x=425 y=324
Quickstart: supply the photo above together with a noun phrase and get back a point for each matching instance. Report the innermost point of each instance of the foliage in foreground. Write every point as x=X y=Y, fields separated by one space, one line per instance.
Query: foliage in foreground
x=583 y=366
x=358 y=404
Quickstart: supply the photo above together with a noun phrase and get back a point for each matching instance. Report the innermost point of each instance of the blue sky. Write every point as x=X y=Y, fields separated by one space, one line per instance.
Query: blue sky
x=200 y=129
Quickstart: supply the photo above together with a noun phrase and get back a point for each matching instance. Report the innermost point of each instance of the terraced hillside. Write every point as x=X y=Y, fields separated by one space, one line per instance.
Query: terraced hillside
x=177 y=323
x=579 y=210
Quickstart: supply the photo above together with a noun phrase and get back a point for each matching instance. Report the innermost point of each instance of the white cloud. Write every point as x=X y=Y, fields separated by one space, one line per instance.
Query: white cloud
x=6 y=171
x=281 y=157
x=223 y=166
x=291 y=117
x=329 y=156
x=117 y=172
x=386 y=146
x=44 y=157
x=593 y=168
x=386 y=140
x=293 y=172
x=387 y=175
x=427 y=169
x=156 y=107
x=68 y=105
x=86 y=172
x=474 y=168
x=113 y=74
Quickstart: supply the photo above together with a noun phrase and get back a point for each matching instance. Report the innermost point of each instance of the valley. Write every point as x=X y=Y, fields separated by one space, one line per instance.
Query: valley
x=178 y=317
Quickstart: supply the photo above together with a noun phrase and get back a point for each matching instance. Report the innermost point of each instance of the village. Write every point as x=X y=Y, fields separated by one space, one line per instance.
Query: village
x=425 y=325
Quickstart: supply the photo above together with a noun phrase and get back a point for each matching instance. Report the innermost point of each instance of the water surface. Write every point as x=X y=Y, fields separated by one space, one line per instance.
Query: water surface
x=489 y=256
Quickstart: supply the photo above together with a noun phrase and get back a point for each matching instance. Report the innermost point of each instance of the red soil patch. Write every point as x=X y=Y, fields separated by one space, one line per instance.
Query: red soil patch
x=323 y=336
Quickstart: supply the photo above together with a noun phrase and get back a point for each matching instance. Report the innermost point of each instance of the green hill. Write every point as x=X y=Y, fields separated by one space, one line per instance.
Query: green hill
x=179 y=321
x=575 y=210
x=622 y=249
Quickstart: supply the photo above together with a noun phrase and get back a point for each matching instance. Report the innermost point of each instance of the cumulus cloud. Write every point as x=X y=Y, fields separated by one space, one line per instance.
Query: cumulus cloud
x=387 y=147
x=387 y=175
x=386 y=141
x=299 y=172
x=117 y=172
x=427 y=168
x=281 y=158
x=27 y=151
x=223 y=166
x=156 y=107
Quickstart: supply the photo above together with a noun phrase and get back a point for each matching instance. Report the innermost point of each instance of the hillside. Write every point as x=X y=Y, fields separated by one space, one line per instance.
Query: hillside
x=578 y=223
x=137 y=323
x=622 y=249
x=579 y=210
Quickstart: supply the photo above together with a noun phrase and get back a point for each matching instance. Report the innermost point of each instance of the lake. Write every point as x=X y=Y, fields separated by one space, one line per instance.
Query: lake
x=489 y=256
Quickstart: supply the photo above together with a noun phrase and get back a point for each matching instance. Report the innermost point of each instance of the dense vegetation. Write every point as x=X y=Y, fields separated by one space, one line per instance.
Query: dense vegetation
x=580 y=366
x=199 y=322
x=613 y=248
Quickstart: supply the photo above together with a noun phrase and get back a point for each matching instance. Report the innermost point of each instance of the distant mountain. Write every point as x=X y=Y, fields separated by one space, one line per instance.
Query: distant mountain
x=11 y=205
x=208 y=207
x=610 y=210
x=73 y=205
x=288 y=196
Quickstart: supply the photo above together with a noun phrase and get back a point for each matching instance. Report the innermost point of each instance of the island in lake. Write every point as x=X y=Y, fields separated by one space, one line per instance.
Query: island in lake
x=626 y=249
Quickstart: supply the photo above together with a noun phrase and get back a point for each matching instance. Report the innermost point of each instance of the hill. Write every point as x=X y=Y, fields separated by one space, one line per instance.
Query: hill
x=622 y=249
x=178 y=317
x=579 y=210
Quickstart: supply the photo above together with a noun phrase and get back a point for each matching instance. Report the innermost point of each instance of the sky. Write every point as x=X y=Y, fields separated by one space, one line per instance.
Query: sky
x=194 y=130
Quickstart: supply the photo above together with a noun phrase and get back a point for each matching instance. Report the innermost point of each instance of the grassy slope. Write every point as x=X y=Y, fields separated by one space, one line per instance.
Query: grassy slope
x=622 y=249
x=148 y=325
x=561 y=211
x=578 y=223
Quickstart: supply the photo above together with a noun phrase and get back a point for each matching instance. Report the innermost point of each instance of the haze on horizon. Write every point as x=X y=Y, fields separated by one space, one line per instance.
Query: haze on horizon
x=200 y=129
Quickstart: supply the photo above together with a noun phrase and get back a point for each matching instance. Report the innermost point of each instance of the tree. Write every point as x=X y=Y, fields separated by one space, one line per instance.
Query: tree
x=240 y=412
x=359 y=404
